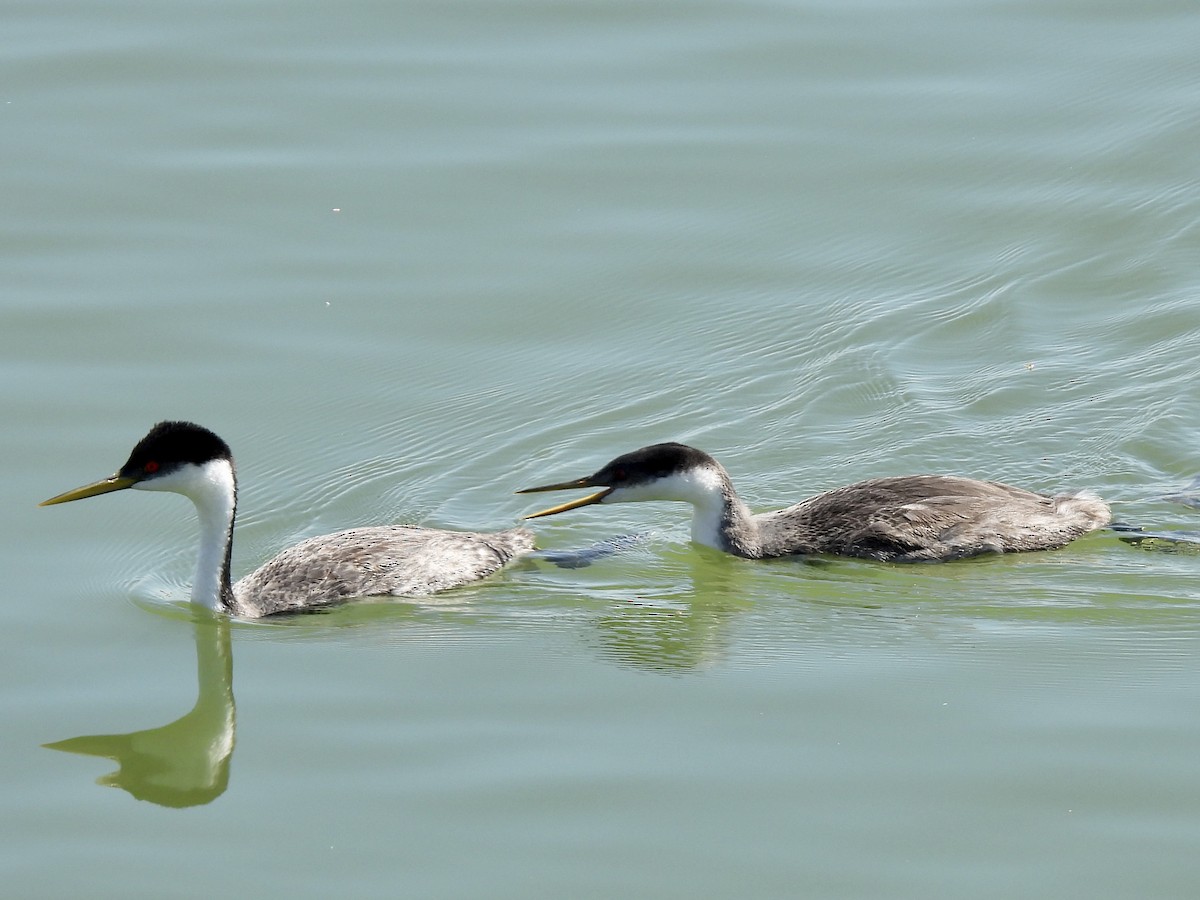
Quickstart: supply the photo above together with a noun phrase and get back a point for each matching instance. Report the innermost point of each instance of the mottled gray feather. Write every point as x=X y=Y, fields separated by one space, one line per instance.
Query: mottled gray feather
x=924 y=517
x=388 y=560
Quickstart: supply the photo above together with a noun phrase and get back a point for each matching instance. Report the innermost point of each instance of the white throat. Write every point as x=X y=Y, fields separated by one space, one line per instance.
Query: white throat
x=708 y=491
x=213 y=490
x=710 y=514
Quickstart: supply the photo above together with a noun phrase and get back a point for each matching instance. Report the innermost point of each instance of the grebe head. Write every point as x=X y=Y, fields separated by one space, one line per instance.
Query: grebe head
x=659 y=472
x=173 y=456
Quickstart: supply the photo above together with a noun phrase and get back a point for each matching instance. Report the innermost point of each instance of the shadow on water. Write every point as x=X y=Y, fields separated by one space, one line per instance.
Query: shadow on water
x=689 y=611
x=185 y=762
x=674 y=632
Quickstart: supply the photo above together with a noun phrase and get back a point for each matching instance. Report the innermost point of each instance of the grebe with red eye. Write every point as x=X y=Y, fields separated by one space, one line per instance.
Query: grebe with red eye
x=905 y=519
x=321 y=571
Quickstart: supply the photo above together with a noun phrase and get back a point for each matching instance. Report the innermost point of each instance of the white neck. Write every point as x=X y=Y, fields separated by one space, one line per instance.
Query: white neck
x=215 y=508
x=709 y=501
x=213 y=489
x=719 y=518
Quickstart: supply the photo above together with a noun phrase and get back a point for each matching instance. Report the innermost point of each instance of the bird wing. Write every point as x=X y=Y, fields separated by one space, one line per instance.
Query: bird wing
x=927 y=517
x=380 y=561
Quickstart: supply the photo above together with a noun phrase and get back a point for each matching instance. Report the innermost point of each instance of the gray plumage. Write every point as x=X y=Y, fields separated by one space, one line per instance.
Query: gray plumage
x=387 y=560
x=384 y=560
x=902 y=519
x=919 y=518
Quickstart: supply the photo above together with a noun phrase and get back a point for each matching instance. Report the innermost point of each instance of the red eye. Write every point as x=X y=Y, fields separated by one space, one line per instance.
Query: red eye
x=150 y=468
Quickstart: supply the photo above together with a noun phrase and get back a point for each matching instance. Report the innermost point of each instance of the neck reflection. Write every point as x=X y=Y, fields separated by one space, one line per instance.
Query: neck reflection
x=185 y=762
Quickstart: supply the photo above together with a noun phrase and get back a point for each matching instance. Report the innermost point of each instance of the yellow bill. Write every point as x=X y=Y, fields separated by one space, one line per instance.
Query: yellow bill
x=567 y=486
x=107 y=485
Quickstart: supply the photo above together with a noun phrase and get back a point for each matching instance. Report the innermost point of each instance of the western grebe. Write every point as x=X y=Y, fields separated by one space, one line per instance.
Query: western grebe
x=905 y=519
x=363 y=562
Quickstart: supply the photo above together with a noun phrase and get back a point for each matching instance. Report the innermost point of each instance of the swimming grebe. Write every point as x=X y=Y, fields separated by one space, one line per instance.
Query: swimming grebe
x=382 y=560
x=903 y=519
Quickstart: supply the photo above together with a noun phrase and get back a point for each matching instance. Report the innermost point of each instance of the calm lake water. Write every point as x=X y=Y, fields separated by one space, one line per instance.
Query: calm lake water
x=407 y=258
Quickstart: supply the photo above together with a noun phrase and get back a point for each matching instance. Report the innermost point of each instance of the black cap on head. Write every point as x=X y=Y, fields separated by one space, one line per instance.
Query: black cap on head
x=650 y=463
x=640 y=467
x=171 y=444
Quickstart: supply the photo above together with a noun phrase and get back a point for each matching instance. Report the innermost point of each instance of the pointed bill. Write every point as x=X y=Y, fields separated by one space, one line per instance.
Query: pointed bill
x=574 y=504
x=567 y=486
x=105 y=486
